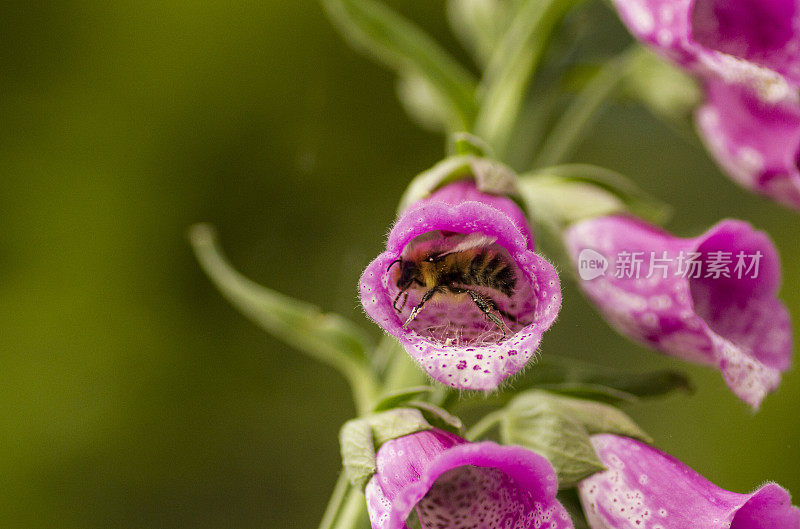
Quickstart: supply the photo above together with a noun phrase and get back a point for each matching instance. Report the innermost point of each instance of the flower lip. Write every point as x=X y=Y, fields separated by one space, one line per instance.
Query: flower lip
x=754 y=43
x=509 y=480
x=744 y=310
x=453 y=339
x=757 y=143
x=753 y=30
x=644 y=487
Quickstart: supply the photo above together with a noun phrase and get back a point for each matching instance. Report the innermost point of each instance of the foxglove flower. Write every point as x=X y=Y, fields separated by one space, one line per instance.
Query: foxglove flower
x=757 y=143
x=749 y=42
x=455 y=484
x=710 y=299
x=644 y=488
x=460 y=286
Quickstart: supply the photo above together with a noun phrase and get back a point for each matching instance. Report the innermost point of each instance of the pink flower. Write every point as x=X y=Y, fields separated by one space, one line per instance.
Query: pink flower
x=460 y=286
x=757 y=143
x=711 y=299
x=453 y=483
x=749 y=42
x=644 y=488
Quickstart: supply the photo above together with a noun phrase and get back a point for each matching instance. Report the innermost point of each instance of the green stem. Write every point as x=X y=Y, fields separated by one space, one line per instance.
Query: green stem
x=485 y=425
x=354 y=511
x=584 y=110
x=512 y=67
x=328 y=338
x=335 y=503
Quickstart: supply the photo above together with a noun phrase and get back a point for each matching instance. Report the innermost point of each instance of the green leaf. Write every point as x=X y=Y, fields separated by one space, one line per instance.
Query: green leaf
x=664 y=89
x=568 y=193
x=512 y=67
x=565 y=374
x=584 y=110
x=326 y=337
x=377 y=30
x=479 y=24
x=423 y=103
x=401 y=396
x=584 y=390
x=539 y=425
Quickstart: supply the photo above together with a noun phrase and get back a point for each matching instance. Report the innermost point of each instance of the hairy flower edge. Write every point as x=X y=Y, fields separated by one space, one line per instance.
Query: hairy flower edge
x=434 y=341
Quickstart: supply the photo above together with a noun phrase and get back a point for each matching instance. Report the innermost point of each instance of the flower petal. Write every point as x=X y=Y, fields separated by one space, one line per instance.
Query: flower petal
x=479 y=484
x=644 y=488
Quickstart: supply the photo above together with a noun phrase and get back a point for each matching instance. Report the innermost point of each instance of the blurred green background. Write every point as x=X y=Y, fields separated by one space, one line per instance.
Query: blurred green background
x=132 y=394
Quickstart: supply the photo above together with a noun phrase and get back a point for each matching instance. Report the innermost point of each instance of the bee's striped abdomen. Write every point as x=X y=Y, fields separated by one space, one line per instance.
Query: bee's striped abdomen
x=488 y=269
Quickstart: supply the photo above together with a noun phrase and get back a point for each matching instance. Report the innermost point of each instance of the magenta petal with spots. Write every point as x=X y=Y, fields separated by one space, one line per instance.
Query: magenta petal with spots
x=757 y=143
x=644 y=488
x=710 y=299
x=749 y=42
x=492 y=296
x=445 y=481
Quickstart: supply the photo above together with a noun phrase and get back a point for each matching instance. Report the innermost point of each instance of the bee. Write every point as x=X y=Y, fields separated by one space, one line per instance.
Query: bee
x=454 y=264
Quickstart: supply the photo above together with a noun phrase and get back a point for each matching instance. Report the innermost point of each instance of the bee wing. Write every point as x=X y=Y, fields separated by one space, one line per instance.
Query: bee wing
x=471 y=241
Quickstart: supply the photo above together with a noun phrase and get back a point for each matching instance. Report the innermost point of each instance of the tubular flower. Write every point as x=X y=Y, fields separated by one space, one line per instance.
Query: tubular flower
x=710 y=299
x=757 y=143
x=749 y=42
x=644 y=488
x=459 y=485
x=460 y=286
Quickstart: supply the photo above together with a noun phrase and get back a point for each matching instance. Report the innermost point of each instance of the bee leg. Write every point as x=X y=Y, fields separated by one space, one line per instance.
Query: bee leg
x=425 y=298
x=486 y=305
x=508 y=316
x=403 y=304
x=397 y=298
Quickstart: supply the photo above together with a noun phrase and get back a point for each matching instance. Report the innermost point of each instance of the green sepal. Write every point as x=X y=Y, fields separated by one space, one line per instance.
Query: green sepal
x=358 y=452
x=561 y=440
x=395 y=398
x=460 y=143
x=361 y=438
x=559 y=428
x=490 y=176
x=438 y=418
x=565 y=194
